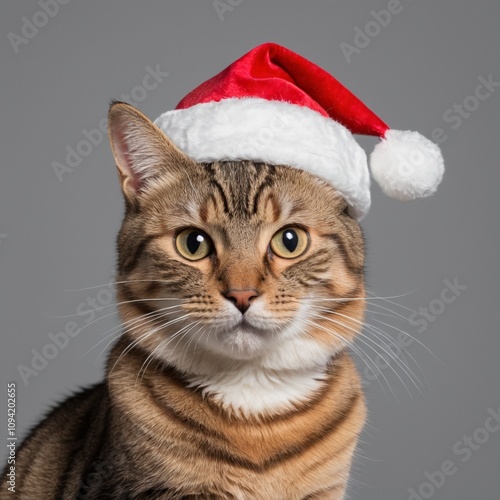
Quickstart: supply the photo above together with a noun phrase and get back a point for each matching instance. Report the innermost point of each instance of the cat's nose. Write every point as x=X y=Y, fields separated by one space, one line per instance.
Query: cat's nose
x=241 y=298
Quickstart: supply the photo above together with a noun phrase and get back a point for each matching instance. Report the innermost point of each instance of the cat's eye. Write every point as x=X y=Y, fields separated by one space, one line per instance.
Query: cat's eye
x=193 y=244
x=290 y=242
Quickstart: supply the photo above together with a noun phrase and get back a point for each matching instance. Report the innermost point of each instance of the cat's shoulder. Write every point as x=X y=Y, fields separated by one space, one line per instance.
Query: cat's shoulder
x=72 y=411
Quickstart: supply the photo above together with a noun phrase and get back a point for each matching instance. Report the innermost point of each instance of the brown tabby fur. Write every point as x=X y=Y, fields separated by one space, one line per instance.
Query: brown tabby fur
x=143 y=433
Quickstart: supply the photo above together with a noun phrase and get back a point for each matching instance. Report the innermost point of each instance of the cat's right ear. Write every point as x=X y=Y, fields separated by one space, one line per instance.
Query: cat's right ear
x=141 y=150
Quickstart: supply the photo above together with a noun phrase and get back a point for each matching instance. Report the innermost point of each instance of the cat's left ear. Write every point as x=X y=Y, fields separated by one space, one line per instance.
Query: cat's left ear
x=141 y=150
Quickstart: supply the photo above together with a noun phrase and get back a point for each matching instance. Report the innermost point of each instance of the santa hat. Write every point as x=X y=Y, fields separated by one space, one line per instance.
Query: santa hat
x=274 y=106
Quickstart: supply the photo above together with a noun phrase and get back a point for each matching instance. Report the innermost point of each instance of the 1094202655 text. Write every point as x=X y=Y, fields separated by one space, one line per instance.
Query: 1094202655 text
x=11 y=436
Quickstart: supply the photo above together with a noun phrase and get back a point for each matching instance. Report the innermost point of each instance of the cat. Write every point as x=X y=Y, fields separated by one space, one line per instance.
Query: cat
x=240 y=286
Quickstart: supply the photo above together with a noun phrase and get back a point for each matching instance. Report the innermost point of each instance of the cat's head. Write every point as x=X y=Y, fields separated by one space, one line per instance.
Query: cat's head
x=231 y=259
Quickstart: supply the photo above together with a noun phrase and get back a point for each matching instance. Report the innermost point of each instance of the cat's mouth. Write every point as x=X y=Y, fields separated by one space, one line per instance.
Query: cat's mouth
x=244 y=327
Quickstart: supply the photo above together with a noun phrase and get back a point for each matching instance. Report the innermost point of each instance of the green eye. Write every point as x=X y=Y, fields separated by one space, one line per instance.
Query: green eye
x=290 y=242
x=193 y=244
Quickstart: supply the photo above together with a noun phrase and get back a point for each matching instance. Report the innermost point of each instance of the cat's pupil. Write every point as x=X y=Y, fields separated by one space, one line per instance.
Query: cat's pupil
x=290 y=240
x=193 y=241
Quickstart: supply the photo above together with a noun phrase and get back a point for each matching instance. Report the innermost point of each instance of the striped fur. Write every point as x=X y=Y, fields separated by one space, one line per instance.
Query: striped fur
x=201 y=401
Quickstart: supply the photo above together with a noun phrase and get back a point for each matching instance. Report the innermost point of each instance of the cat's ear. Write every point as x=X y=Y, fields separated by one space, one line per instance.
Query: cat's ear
x=141 y=150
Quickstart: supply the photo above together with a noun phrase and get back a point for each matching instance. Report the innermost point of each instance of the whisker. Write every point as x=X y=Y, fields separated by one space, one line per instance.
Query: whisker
x=167 y=341
x=158 y=348
x=375 y=330
x=146 y=335
x=380 y=313
x=113 y=283
x=386 y=299
x=356 y=349
x=389 y=353
x=343 y=299
x=394 y=314
x=212 y=327
x=120 y=333
x=114 y=305
x=190 y=340
x=380 y=334
x=134 y=323
x=411 y=337
x=99 y=318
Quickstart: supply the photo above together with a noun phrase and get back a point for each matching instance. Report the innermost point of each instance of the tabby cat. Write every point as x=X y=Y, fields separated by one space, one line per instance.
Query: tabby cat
x=240 y=286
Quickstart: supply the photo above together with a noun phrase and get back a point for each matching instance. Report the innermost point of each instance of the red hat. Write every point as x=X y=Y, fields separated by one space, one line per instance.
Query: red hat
x=274 y=106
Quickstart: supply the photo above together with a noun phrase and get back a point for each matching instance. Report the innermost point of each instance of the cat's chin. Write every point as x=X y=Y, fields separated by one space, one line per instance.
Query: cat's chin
x=246 y=328
x=243 y=341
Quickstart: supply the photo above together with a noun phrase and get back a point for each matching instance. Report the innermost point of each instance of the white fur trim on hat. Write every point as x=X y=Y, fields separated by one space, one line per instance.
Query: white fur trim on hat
x=406 y=165
x=273 y=132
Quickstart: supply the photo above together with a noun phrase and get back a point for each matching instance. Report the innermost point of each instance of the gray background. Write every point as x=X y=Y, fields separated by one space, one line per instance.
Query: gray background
x=59 y=236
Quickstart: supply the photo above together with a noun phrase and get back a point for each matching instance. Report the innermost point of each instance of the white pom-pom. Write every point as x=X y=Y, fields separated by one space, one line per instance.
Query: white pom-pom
x=406 y=165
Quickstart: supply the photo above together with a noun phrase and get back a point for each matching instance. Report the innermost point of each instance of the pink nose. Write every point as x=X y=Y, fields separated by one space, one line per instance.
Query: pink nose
x=241 y=298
